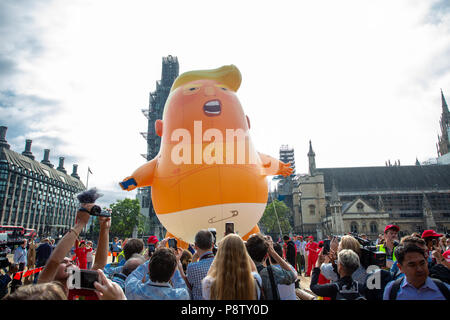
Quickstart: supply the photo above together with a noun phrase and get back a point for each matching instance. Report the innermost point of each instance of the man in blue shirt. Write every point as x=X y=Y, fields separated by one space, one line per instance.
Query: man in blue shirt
x=20 y=255
x=133 y=246
x=416 y=284
x=201 y=261
x=165 y=272
x=115 y=248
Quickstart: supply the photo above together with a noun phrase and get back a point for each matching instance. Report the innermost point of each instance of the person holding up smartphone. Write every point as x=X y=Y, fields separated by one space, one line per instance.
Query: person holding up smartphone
x=56 y=268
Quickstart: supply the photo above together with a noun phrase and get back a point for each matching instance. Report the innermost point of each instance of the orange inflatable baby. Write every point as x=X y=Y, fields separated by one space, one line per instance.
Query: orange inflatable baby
x=207 y=171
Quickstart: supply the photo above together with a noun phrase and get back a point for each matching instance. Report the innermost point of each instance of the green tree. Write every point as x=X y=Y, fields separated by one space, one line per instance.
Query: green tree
x=125 y=214
x=269 y=220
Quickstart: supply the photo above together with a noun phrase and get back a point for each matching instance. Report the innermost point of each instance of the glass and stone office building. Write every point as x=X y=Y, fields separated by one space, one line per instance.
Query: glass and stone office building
x=34 y=194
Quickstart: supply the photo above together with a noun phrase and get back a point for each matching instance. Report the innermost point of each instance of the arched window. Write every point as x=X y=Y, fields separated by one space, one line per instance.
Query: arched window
x=354 y=227
x=373 y=227
x=312 y=209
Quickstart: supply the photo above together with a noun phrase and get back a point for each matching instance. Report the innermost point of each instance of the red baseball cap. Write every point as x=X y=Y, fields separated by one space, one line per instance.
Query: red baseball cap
x=391 y=226
x=430 y=233
x=152 y=240
x=311 y=237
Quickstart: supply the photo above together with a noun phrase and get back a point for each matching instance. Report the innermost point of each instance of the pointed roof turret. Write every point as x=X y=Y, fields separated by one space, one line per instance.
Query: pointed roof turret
x=311 y=160
x=444 y=103
x=334 y=193
x=311 y=152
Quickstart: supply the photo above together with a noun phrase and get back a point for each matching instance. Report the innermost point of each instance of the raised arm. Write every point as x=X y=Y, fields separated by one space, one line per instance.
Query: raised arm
x=273 y=167
x=64 y=246
x=141 y=177
x=101 y=255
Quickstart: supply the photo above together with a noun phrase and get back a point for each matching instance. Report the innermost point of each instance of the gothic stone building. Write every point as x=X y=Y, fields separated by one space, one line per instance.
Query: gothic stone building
x=365 y=199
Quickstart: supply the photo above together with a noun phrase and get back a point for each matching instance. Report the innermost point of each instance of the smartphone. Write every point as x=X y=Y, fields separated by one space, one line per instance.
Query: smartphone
x=173 y=243
x=151 y=247
x=82 y=279
x=229 y=228
x=326 y=246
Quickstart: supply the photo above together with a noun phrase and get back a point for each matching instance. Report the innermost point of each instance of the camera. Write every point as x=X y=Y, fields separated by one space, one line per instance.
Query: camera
x=97 y=211
x=326 y=246
x=213 y=232
x=370 y=256
x=81 y=278
x=90 y=196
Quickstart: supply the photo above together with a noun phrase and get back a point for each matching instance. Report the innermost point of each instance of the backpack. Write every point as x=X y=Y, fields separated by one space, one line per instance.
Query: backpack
x=273 y=285
x=441 y=272
x=397 y=283
x=345 y=292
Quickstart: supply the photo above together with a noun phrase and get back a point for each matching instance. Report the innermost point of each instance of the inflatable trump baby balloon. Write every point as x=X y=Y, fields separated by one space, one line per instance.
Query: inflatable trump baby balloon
x=207 y=172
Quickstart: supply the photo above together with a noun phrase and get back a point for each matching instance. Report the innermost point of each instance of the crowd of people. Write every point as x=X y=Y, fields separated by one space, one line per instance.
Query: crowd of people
x=416 y=267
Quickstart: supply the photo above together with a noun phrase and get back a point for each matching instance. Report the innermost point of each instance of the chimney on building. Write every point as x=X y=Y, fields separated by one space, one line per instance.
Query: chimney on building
x=27 y=152
x=74 y=172
x=3 y=142
x=46 y=160
x=61 y=165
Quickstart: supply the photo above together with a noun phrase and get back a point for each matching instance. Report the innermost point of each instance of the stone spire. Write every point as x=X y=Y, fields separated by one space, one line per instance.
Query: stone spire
x=312 y=160
x=444 y=104
x=334 y=193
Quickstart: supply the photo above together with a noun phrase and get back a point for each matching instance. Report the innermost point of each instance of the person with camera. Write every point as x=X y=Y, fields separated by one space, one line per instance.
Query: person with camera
x=329 y=267
x=346 y=288
x=260 y=248
x=58 y=263
x=201 y=262
x=285 y=291
x=160 y=278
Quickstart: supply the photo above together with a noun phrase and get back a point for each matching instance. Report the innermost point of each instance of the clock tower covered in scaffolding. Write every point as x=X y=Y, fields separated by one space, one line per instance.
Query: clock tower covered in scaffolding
x=157 y=100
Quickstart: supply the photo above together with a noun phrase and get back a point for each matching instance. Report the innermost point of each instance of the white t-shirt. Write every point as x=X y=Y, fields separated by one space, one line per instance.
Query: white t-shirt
x=287 y=291
x=208 y=281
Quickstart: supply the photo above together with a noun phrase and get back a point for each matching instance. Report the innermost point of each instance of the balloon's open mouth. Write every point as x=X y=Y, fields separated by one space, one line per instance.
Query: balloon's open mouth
x=212 y=108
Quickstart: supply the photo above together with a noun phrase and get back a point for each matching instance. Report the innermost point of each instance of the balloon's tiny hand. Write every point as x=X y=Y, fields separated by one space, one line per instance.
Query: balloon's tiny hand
x=128 y=184
x=285 y=169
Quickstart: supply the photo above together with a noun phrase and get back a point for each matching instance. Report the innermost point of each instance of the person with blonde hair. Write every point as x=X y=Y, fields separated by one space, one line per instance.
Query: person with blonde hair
x=233 y=275
x=329 y=271
x=53 y=290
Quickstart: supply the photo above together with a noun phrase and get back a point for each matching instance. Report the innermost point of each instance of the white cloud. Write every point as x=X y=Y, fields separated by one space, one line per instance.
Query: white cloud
x=361 y=79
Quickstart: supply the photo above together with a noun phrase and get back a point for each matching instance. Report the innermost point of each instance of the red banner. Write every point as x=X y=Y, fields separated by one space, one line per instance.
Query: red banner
x=27 y=273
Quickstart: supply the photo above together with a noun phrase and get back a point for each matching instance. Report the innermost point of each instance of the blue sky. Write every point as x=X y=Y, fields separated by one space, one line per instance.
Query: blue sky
x=361 y=79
